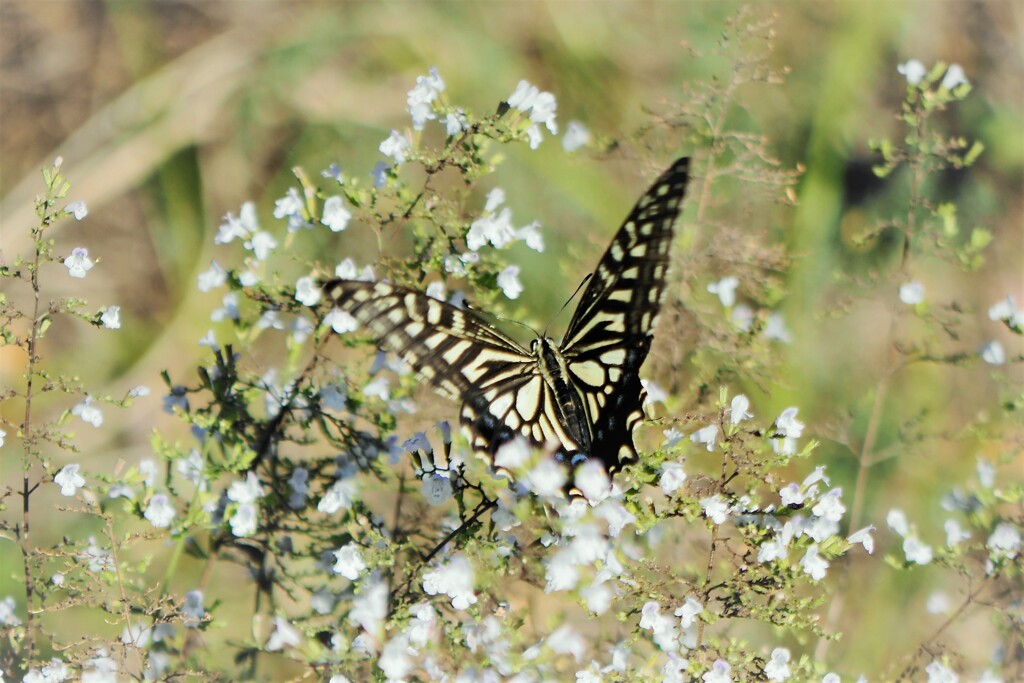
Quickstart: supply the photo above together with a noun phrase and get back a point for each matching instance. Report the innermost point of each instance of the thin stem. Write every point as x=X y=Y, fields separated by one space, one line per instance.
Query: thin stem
x=29 y=450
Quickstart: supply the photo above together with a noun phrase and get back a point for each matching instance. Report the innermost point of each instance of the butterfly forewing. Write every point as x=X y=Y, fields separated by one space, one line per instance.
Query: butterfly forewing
x=462 y=357
x=610 y=333
x=584 y=397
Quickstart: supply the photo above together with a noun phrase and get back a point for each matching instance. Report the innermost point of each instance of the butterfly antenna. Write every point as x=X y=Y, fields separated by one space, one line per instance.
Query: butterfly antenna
x=578 y=288
x=501 y=318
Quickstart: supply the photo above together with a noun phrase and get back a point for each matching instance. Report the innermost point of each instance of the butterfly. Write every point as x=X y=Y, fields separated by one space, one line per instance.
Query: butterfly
x=580 y=398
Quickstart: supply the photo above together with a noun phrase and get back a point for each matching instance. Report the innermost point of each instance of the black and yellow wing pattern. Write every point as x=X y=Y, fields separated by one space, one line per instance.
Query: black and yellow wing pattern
x=582 y=397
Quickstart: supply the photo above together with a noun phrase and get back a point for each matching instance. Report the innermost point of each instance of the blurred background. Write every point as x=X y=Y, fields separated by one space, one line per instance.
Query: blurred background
x=170 y=114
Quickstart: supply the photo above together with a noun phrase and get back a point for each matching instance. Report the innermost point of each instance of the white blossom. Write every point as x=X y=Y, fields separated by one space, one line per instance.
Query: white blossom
x=350 y=563
x=79 y=263
x=912 y=293
x=283 y=636
x=69 y=480
x=914 y=71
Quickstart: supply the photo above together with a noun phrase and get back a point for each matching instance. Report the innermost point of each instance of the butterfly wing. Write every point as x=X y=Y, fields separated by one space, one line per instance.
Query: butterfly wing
x=498 y=382
x=610 y=332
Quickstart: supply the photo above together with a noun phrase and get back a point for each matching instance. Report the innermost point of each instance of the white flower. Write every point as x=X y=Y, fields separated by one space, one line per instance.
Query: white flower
x=306 y=291
x=512 y=455
x=718 y=673
x=289 y=206
x=397 y=146
x=339 y=496
x=954 y=76
x=378 y=388
x=541 y=107
x=241 y=227
x=394 y=660
x=663 y=628
x=830 y=506
x=725 y=289
x=54 y=672
x=672 y=437
x=436 y=489
x=244 y=521
x=1006 y=310
x=334 y=172
x=495 y=228
x=706 y=435
x=913 y=70
x=228 y=309
x=380 y=174
x=813 y=564
x=495 y=198
x=454 y=578
x=508 y=280
x=742 y=317
x=738 y=409
x=531 y=235
x=777 y=668
x=576 y=136
x=261 y=245
x=88 y=412
x=955 y=534
x=248 y=491
x=192 y=609
x=100 y=669
x=993 y=353
x=715 y=508
x=688 y=612
x=897 y=521
x=78 y=208
x=912 y=293
x=547 y=478
x=672 y=477
x=370 y=606
x=1004 y=541
x=937 y=673
x=350 y=563
x=111 y=318
x=3 y=435
x=160 y=512
x=69 y=480
x=214 y=276
x=787 y=425
x=427 y=89
x=864 y=537
x=565 y=640
x=561 y=572
x=454 y=122
x=335 y=216
x=79 y=263
x=592 y=480
x=436 y=290
x=986 y=473
x=937 y=603
x=284 y=635
x=916 y=551
x=775 y=328
x=653 y=392
x=341 y=321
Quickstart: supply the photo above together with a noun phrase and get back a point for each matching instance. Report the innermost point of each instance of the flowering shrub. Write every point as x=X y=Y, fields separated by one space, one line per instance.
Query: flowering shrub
x=370 y=551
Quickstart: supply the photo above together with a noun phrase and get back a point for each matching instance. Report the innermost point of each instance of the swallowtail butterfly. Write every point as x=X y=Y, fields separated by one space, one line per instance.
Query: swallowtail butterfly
x=581 y=397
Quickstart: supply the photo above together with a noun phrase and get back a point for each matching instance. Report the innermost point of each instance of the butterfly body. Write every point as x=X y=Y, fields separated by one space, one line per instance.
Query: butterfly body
x=580 y=397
